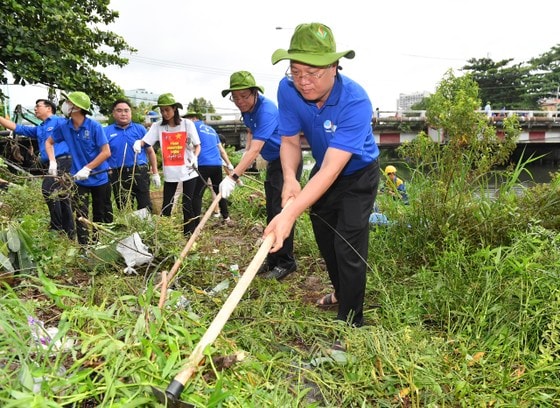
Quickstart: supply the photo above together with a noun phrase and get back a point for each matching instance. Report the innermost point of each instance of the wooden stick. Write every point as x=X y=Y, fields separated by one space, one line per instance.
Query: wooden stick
x=96 y=225
x=176 y=386
x=185 y=251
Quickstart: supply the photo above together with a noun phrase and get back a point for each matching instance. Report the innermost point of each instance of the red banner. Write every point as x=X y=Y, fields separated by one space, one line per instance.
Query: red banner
x=173 y=148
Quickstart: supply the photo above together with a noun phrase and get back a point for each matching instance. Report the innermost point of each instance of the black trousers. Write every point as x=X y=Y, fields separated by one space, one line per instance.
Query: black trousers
x=100 y=205
x=129 y=184
x=273 y=185
x=340 y=220
x=57 y=194
x=214 y=173
x=169 y=189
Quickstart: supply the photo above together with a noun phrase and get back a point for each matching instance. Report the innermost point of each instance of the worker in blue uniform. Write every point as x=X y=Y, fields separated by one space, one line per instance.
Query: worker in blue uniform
x=90 y=150
x=54 y=186
x=334 y=113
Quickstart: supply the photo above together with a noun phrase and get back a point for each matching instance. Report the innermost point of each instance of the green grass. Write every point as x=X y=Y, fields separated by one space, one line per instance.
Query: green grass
x=462 y=302
x=463 y=325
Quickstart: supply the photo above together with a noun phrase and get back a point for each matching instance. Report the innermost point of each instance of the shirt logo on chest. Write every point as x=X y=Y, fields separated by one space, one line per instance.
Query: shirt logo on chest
x=329 y=126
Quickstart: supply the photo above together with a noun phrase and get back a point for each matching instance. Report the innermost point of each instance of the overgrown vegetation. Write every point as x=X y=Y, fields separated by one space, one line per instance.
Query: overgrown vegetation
x=77 y=43
x=462 y=302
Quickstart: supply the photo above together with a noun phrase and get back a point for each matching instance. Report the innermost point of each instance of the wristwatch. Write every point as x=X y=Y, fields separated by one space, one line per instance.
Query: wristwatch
x=234 y=176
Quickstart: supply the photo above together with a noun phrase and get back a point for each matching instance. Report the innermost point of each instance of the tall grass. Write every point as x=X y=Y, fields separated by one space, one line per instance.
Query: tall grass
x=462 y=299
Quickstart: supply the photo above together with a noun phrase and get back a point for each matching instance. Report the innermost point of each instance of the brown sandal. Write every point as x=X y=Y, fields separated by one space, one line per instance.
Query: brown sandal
x=327 y=301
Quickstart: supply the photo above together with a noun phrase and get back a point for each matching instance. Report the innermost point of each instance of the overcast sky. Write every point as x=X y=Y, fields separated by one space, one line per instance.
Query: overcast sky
x=190 y=48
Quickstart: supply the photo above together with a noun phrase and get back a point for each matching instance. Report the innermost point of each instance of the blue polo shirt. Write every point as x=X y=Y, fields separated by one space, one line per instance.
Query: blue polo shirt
x=209 y=141
x=121 y=141
x=42 y=133
x=263 y=122
x=343 y=122
x=84 y=144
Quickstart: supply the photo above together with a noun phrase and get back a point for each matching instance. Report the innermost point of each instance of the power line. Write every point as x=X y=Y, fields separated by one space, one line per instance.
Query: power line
x=193 y=68
x=434 y=58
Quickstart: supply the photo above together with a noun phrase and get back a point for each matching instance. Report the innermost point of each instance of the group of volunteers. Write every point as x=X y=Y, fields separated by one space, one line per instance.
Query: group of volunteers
x=315 y=99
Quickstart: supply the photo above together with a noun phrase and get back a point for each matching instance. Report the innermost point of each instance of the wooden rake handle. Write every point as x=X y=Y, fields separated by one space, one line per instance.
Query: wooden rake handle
x=178 y=384
x=168 y=279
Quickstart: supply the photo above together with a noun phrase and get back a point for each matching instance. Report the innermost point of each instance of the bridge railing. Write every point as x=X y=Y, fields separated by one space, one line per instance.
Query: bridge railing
x=420 y=115
x=412 y=116
x=388 y=125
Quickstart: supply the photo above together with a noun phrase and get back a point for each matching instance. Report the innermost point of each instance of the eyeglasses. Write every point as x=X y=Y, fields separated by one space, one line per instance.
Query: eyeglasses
x=309 y=76
x=240 y=98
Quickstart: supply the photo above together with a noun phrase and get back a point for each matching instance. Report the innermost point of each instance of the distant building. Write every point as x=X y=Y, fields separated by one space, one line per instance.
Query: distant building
x=137 y=96
x=550 y=104
x=406 y=101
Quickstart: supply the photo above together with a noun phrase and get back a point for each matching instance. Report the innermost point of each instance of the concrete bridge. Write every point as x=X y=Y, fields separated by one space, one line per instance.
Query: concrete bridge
x=540 y=129
x=394 y=128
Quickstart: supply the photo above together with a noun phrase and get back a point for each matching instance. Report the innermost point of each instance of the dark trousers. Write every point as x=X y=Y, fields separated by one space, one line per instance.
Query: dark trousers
x=57 y=194
x=169 y=189
x=273 y=185
x=214 y=173
x=129 y=184
x=340 y=220
x=100 y=202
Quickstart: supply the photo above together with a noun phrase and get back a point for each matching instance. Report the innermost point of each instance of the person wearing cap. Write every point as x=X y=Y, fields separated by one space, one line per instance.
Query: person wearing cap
x=334 y=113
x=212 y=155
x=53 y=189
x=90 y=150
x=260 y=115
x=394 y=185
x=179 y=147
x=130 y=171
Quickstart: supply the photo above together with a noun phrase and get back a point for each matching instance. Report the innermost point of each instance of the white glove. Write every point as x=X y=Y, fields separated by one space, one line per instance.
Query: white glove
x=193 y=162
x=230 y=167
x=226 y=187
x=156 y=180
x=53 y=167
x=137 y=146
x=83 y=173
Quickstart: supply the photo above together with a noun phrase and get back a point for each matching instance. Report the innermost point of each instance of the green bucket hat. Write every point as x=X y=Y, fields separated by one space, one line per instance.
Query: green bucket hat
x=81 y=100
x=192 y=114
x=167 y=99
x=241 y=80
x=312 y=44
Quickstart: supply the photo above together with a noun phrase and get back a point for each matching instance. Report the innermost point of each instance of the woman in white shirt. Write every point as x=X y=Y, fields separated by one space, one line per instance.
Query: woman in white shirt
x=179 y=147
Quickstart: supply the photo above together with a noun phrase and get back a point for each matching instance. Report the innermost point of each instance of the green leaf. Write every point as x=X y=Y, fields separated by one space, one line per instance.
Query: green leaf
x=14 y=243
x=6 y=264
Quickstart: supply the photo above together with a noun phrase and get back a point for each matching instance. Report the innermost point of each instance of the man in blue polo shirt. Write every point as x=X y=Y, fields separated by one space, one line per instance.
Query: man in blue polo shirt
x=55 y=192
x=260 y=115
x=334 y=113
x=90 y=150
x=130 y=171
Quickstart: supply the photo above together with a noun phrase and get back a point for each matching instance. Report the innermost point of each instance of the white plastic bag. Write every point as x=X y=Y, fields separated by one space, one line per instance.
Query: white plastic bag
x=134 y=252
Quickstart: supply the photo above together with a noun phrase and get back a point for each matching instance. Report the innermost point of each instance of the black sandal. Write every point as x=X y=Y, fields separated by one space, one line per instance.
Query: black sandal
x=327 y=301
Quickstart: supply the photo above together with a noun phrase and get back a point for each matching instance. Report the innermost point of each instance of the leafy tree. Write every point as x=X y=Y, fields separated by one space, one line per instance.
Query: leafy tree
x=503 y=85
x=139 y=112
x=3 y=108
x=548 y=68
x=60 y=43
x=454 y=172
x=422 y=105
x=203 y=106
x=518 y=86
